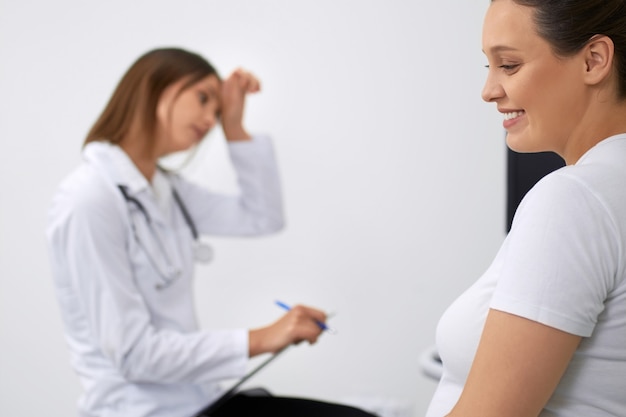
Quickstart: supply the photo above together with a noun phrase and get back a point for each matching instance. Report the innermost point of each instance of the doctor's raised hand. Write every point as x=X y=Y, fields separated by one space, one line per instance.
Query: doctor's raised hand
x=233 y=93
x=124 y=235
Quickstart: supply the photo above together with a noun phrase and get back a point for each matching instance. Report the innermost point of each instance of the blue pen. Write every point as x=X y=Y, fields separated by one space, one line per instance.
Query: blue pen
x=322 y=325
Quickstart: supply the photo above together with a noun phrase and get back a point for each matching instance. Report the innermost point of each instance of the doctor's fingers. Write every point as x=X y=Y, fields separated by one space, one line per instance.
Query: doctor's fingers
x=233 y=103
x=309 y=312
x=283 y=332
x=238 y=84
x=246 y=80
x=302 y=323
x=303 y=331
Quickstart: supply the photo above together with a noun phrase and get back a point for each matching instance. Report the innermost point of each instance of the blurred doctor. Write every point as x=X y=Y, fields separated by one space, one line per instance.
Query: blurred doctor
x=124 y=235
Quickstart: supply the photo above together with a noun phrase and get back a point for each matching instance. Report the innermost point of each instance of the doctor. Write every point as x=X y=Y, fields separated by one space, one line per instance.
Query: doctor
x=123 y=237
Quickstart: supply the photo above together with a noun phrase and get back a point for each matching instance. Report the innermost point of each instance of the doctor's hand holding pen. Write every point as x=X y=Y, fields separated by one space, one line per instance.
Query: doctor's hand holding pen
x=300 y=323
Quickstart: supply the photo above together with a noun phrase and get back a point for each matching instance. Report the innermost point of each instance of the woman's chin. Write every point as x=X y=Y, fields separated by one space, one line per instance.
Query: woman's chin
x=523 y=144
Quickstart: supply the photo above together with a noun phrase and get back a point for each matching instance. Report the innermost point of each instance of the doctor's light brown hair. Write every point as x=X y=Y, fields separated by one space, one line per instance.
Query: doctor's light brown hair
x=136 y=96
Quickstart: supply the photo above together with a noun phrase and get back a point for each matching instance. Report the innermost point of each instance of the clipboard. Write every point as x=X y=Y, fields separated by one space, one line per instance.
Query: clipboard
x=233 y=390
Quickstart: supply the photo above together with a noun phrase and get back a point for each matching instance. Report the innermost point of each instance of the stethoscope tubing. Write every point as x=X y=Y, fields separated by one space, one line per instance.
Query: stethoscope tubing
x=179 y=202
x=171 y=273
x=186 y=215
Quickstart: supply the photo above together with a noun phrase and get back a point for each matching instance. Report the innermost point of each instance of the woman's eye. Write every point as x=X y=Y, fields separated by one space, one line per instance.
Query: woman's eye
x=204 y=98
x=509 y=67
x=505 y=67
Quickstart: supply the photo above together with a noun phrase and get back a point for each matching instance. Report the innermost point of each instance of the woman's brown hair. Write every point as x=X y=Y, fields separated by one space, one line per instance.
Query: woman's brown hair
x=569 y=24
x=136 y=96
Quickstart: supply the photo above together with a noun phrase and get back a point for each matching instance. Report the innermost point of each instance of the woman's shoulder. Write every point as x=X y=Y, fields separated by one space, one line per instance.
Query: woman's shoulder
x=576 y=183
x=586 y=199
x=85 y=193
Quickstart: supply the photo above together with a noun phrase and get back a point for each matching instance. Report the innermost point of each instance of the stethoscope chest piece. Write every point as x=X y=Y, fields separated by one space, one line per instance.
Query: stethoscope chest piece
x=203 y=252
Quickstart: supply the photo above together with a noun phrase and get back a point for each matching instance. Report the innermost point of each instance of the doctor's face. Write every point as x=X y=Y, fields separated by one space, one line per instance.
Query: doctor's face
x=185 y=116
x=541 y=96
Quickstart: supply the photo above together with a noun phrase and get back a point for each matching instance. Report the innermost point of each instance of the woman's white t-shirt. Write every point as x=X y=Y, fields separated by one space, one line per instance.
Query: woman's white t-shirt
x=563 y=265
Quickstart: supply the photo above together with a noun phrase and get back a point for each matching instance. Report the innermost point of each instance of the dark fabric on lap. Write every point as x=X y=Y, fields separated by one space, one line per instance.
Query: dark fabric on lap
x=265 y=406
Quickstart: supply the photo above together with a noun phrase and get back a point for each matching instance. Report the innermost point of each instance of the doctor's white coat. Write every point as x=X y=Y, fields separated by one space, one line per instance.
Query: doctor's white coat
x=130 y=325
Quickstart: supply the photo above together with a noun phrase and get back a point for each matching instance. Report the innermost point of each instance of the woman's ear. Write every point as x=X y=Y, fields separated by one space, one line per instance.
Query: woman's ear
x=598 y=54
x=164 y=104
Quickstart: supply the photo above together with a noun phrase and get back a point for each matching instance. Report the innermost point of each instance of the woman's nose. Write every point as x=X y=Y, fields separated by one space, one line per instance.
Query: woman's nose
x=492 y=90
x=209 y=119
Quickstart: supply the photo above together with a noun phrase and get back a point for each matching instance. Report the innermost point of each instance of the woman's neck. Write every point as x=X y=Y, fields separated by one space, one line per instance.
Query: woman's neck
x=141 y=153
x=604 y=121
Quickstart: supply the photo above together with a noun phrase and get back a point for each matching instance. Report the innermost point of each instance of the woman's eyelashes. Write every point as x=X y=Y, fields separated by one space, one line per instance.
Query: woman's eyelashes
x=508 y=68
x=203 y=97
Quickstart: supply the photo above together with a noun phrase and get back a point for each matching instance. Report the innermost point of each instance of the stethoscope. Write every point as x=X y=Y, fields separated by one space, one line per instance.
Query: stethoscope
x=201 y=250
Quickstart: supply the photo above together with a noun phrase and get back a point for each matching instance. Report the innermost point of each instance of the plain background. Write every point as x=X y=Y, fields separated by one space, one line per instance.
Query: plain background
x=393 y=169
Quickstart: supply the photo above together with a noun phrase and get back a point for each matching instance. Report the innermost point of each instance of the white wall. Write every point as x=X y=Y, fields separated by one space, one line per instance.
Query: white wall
x=393 y=170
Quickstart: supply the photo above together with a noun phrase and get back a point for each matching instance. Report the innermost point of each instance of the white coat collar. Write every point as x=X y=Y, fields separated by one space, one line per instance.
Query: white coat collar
x=117 y=167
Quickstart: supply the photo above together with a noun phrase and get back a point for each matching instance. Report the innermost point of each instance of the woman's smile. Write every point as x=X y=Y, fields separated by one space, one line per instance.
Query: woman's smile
x=511 y=118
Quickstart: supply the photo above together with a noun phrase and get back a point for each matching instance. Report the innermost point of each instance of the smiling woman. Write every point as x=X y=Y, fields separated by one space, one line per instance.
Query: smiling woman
x=540 y=94
x=124 y=235
x=543 y=331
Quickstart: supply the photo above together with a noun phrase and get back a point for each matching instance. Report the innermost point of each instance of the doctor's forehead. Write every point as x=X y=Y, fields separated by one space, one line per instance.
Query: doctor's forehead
x=210 y=82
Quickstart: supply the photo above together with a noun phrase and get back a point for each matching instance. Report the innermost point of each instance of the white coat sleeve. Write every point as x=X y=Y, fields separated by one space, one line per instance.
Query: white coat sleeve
x=256 y=210
x=88 y=242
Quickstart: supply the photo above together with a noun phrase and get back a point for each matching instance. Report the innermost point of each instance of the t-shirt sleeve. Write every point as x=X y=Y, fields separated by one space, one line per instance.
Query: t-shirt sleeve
x=561 y=257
